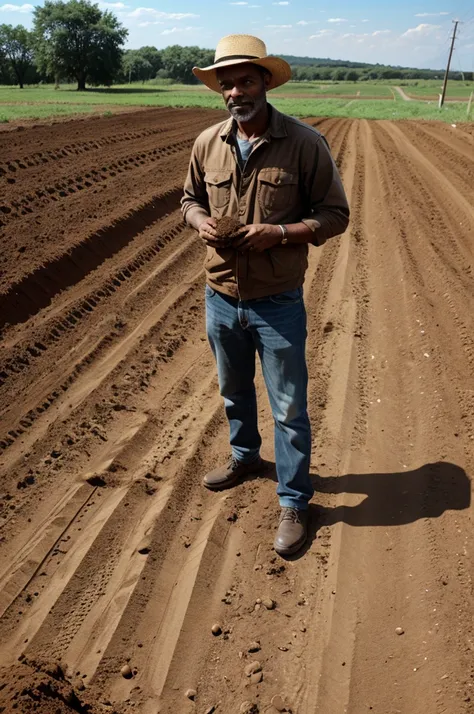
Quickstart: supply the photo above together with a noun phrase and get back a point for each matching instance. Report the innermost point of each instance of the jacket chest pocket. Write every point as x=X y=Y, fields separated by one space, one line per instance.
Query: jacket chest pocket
x=276 y=189
x=218 y=185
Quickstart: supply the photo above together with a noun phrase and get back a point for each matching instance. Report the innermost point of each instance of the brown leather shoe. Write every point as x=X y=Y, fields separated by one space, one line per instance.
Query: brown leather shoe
x=228 y=475
x=292 y=531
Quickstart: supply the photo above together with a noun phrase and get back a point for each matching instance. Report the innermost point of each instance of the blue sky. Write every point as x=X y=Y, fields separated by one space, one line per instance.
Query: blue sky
x=405 y=32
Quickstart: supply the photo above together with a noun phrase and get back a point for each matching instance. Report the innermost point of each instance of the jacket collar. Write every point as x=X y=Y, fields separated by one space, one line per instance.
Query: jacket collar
x=276 y=129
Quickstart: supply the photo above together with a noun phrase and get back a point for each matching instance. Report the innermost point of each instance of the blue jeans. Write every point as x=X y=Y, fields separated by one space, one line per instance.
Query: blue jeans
x=275 y=327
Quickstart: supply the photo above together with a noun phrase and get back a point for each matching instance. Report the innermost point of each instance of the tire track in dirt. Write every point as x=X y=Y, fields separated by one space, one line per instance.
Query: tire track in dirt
x=119 y=182
x=51 y=592
x=450 y=152
x=399 y=579
x=62 y=188
x=73 y=150
x=111 y=550
x=35 y=291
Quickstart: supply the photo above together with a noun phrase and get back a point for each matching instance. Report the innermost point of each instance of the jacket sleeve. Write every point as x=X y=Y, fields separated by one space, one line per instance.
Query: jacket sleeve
x=194 y=203
x=328 y=206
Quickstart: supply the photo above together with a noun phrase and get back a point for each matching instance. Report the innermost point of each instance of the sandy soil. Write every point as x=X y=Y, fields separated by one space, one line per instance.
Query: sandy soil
x=111 y=552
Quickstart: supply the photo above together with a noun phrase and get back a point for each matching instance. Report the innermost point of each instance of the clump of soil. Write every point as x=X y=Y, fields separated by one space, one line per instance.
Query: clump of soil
x=228 y=229
x=42 y=688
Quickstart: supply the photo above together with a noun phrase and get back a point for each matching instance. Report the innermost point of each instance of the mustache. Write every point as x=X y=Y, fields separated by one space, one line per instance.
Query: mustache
x=231 y=103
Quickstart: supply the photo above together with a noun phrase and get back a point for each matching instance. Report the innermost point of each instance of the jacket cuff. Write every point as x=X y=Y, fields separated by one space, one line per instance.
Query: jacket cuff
x=193 y=213
x=315 y=226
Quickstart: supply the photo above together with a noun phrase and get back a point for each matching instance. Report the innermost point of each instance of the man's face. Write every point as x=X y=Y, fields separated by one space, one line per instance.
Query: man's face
x=244 y=89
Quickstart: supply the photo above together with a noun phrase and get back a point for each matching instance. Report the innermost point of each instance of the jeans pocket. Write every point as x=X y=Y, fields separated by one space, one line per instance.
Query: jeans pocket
x=209 y=292
x=289 y=297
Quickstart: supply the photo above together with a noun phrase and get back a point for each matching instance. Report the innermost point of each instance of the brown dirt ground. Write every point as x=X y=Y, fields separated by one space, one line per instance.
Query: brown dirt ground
x=112 y=553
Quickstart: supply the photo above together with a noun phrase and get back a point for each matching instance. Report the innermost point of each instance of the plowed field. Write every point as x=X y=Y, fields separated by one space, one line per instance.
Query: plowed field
x=112 y=553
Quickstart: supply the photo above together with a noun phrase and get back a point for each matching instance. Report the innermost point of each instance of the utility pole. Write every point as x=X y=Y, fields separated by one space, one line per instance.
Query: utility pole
x=445 y=83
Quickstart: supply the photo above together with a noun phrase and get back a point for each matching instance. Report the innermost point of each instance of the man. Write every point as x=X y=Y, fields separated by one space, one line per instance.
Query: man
x=275 y=175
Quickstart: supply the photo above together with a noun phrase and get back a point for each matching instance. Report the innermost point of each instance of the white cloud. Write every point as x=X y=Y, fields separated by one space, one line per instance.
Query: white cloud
x=421 y=30
x=238 y=3
x=365 y=20
x=179 y=29
x=113 y=5
x=307 y=22
x=140 y=11
x=337 y=19
x=278 y=27
x=17 y=8
x=281 y=3
x=322 y=33
x=431 y=14
x=149 y=22
x=381 y=32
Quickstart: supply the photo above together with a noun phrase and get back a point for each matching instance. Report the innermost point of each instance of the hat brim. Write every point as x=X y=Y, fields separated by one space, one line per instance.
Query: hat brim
x=279 y=69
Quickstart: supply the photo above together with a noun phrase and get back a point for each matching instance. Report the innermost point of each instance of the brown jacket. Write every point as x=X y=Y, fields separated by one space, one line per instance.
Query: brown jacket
x=289 y=177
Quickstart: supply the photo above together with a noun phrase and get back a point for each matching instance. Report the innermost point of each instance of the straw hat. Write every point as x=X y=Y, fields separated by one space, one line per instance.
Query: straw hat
x=237 y=49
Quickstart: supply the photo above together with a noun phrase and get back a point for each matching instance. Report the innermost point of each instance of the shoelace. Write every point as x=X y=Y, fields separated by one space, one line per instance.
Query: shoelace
x=234 y=464
x=290 y=514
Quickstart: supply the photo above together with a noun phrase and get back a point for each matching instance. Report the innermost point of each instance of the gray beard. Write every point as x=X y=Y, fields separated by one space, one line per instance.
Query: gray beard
x=251 y=113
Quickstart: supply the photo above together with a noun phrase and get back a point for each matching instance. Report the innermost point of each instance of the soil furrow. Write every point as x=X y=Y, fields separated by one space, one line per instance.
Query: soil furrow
x=112 y=553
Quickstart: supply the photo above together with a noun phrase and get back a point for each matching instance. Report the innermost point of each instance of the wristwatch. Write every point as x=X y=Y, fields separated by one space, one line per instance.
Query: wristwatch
x=284 y=233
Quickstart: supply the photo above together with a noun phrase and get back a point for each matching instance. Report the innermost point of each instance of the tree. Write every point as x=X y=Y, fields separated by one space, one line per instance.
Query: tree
x=75 y=39
x=390 y=73
x=153 y=56
x=352 y=76
x=135 y=66
x=17 y=47
x=179 y=62
x=339 y=75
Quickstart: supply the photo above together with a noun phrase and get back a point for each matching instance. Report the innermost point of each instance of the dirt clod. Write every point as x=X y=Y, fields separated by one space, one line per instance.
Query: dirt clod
x=278 y=704
x=253 y=668
x=40 y=687
x=227 y=228
x=248 y=708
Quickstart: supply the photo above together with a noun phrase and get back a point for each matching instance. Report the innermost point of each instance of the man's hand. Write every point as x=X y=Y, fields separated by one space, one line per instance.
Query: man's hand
x=259 y=237
x=207 y=231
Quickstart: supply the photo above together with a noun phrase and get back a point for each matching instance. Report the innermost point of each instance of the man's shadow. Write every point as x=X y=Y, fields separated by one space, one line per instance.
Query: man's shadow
x=391 y=499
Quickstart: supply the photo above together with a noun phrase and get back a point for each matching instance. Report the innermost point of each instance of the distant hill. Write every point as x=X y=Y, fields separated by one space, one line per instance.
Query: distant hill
x=324 y=68
x=327 y=62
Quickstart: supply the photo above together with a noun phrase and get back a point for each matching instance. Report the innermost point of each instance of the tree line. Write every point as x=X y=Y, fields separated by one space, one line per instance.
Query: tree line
x=341 y=73
x=74 y=40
